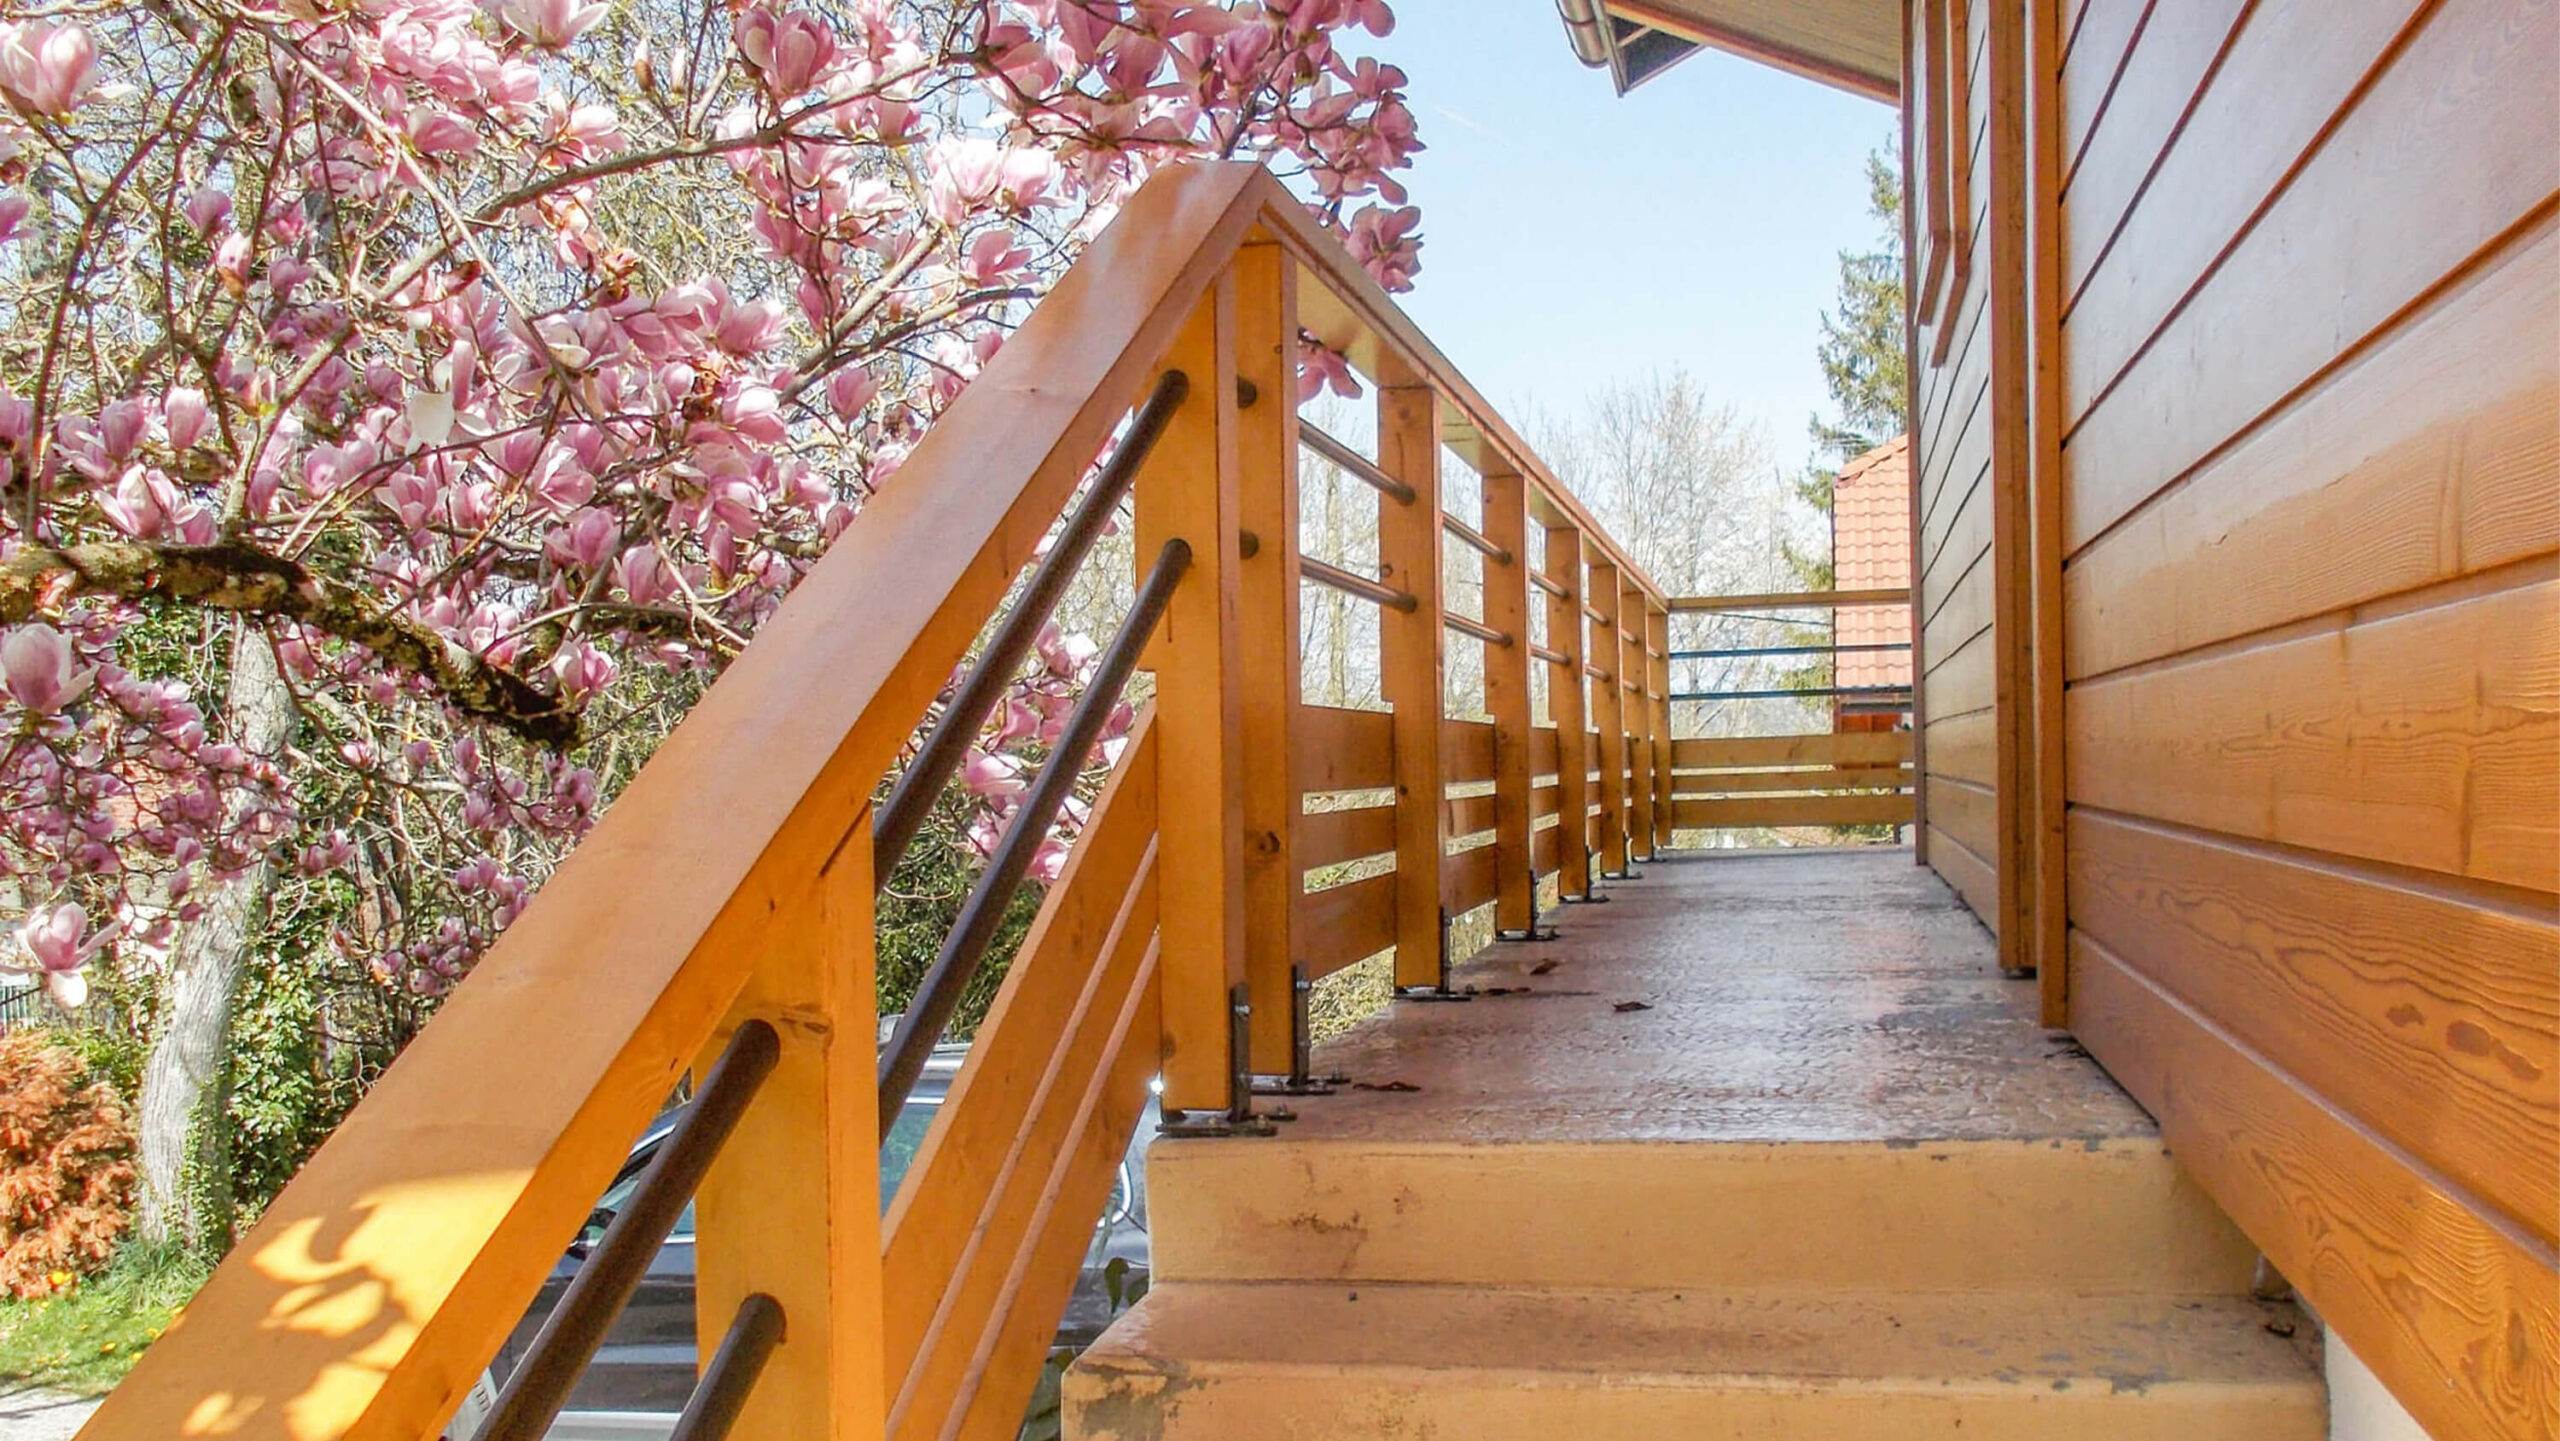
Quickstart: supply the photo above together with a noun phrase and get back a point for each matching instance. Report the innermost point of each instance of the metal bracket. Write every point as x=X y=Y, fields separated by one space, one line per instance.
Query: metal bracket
x=1533 y=933
x=1440 y=992
x=1238 y=1119
x=1299 y=1081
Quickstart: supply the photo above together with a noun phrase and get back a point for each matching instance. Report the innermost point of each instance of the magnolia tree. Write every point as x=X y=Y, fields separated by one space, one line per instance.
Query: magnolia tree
x=406 y=405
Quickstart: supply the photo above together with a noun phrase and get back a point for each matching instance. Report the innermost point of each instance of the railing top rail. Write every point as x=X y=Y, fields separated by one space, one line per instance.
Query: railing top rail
x=1790 y=600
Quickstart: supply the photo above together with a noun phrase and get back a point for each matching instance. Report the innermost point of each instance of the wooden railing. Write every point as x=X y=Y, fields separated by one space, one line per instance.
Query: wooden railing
x=1842 y=776
x=723 y=907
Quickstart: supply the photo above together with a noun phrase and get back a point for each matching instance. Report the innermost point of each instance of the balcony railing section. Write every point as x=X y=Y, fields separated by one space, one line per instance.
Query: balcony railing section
x=719 y=921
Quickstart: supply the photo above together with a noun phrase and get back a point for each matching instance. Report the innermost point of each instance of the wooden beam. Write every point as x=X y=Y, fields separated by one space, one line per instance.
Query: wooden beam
x=791 y=1207
x=1878 y=809
x=1608 y=716
x=2048 y=920
x=1790 y=600
x=1190 y=491
x=1413 y=669
x=1506 y=687
x=1267 y=629
x=1565 y=707
x=1636 y=669
x=2010 y=400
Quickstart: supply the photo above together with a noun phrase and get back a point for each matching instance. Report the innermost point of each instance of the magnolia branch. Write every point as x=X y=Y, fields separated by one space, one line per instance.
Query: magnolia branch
x=247 y=581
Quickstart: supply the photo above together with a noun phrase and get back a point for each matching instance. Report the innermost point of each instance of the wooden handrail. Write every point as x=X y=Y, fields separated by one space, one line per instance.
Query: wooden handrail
x=729 y=888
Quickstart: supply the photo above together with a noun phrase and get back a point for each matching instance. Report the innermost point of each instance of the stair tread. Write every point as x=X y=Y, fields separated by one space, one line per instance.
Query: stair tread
x=1721 y=1339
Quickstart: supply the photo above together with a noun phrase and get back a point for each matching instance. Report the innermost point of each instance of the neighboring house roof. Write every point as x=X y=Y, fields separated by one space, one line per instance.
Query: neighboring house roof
x=1854 y=45
x=1871 y=550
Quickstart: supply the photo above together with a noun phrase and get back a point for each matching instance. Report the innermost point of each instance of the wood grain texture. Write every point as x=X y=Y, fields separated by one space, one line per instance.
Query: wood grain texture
x=1967 y=812
x=1965 y=609
x=2435 y=455
x=1824 y=778
x=1329 y=838
x=1335 y=748
x=1470 y=878
x=1346 y=923
x=2411 y=185
x=1466 y=751
x=2426 y=738
x=1413 y=669
x=1963 y=680
x=2430 y=1015
x=2460 y=1312
x=1508 y=693
x=1471 y=815
x=2290 y=67
x=2102 y=45
x=2162 y=78
x=1974 y=881
x=1960 y=746
x=1267 y=629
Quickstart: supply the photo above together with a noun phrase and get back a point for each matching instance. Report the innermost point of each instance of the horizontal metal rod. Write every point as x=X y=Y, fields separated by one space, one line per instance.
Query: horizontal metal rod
x=1551 y=586
x=1464 y=626
x=1809 y=693
x=1785 y=600
x=1475 y=539
x=957 y=730
x=1551 y=657
x=1360 y=467
x=722 y=1393
x=1788 y=650
x=532 y=1397
x=1351 y=583
x=982 y=914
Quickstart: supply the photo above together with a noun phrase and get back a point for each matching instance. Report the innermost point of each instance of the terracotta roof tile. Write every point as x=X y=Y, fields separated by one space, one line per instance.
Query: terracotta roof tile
x=1871 y=550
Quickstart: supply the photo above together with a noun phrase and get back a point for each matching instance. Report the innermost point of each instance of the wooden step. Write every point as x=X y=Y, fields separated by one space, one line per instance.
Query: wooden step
x=2093 y=1216
x=1203 y=1361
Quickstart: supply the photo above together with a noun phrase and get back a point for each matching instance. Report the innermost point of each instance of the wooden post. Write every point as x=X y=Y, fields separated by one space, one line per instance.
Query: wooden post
x=2008 y=399
x=1506 y=695
x=1565 y=708
x=1267 y=628
x=1412 y=665
x=1189 y=490
x=791 y=1208
x=2050 y=921
x=1609 y=716
x=1912 y=315
x=1636 y=668
x=1657 y=640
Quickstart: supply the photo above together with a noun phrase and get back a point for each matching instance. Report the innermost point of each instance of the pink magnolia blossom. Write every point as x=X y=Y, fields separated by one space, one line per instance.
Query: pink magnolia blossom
x=550 y=23
x=55 y=942
x=43 y=668
x=47 y=67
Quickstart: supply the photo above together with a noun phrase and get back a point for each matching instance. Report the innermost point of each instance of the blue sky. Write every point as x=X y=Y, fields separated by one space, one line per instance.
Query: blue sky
x=1573 y=237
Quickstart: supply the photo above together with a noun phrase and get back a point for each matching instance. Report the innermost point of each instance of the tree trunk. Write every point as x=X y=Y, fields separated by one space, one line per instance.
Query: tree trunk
x=186 y=1066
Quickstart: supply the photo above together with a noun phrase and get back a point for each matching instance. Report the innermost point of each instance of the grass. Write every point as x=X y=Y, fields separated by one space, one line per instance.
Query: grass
x=84 y=1338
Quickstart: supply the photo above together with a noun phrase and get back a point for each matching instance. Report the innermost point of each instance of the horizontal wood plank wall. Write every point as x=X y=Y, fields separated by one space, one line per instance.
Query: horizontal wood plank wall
x=2312 y=634
x=1952 y=443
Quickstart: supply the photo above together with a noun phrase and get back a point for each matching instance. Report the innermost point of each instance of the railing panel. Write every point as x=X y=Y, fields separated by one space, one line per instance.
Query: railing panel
x=1882 y=809
x=1329 y=838
x=1848 y=748
x=1471 y=815
x=1466 y=751
x=1470 y=878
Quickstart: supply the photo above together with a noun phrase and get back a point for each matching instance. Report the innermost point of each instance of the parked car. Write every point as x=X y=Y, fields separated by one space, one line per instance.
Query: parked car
x=644 y=1371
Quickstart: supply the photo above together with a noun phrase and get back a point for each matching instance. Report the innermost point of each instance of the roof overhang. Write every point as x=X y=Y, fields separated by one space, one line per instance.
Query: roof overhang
x=1852 y=45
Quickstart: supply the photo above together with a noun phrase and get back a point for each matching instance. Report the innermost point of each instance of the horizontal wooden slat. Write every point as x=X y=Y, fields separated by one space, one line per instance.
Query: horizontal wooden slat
x=1345 y=923
x=1470 y=878
x=1959 y=532
x=2465 y=1313
x=1544 y=800
x=1848 y=810
x=1819 y=748
x=2101 y=46
x=2432 y=1017
x=1467 y=815
x=1542 y=850
x=1963 y=610
x=1334 y=749
x=2349 y=241
x=1963 y=747
x=2437 y=455
x=1788 y=600
x=1466 y=750
x=1963 y=680
x=1542 y=750
x=1970 y=813
x=2427 y=738
x=1328 y=838
x=1805 y=778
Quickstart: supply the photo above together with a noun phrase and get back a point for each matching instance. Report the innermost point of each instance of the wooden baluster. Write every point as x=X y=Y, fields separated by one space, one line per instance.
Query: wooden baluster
x=1267 y=629
x=1412 y=666
x=1608 y=708
x=1565 y=707
x=1190 y=491
x=791 y=1209
x=1636 y=673
x=1506 y=695
x=1657 y=630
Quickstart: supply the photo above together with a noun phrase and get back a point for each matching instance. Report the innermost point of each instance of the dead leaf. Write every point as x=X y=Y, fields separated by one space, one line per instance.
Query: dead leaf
x=1625 y=1006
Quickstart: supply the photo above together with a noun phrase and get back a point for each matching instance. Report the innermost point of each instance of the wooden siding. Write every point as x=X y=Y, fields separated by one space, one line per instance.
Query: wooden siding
x=2310 y=501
